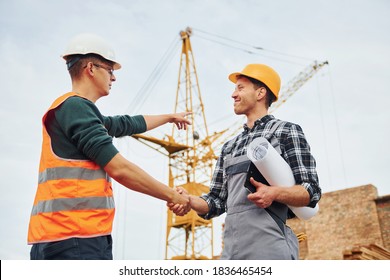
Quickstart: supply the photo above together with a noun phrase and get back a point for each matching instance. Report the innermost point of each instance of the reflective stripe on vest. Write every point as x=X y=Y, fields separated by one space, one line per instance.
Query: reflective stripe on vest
x=74 y=198
x=69 y=204
x=70 y=173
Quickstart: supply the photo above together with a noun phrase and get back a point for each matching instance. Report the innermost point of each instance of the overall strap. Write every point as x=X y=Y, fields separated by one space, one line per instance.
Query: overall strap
x=275 y=209
x=276 y=144
x=271 y=137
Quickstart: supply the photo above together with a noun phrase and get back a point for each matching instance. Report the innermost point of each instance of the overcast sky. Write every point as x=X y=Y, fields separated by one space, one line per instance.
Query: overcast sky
x=343 y=109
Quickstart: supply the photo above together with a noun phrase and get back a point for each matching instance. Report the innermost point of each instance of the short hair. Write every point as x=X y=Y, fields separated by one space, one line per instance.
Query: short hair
x=270 y=97
x=76 y=63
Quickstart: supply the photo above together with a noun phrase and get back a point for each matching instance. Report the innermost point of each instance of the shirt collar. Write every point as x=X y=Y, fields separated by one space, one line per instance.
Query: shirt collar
x=260 y=121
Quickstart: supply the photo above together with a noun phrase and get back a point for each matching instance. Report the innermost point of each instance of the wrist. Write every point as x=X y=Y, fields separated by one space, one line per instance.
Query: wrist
x=170 y=118
x=191 y=199
x=175 y=197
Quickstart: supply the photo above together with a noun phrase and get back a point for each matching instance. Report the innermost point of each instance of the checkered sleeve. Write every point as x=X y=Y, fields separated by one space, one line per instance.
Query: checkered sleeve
x=216 y=198
x=297 y=154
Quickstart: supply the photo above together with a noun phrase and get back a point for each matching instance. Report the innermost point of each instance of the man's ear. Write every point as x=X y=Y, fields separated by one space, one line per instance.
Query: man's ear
x=261 y=93
x=89 y=68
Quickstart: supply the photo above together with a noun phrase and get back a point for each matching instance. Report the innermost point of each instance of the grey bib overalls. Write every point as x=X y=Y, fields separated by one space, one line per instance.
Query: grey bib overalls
x=252 y=232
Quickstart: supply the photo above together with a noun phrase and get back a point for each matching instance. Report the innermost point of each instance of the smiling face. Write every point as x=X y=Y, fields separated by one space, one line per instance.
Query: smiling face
x=245 y=97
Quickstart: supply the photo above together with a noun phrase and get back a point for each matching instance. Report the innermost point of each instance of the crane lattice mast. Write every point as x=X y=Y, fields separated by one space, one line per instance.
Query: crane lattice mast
x=191 y=162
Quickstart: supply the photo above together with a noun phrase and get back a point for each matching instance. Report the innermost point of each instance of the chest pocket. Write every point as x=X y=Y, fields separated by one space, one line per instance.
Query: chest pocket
x=236 y=171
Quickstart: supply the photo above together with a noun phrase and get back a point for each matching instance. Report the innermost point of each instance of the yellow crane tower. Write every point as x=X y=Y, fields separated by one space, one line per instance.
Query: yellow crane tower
x=192 y=158
x=191 y=161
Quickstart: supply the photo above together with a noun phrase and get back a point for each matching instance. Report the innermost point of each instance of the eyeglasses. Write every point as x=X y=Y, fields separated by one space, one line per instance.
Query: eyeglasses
x=109 y=70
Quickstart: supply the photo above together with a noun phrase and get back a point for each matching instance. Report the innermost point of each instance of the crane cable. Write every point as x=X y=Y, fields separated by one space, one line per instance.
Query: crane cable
x=145 y=91
x=251 y=49
x=324 y=134
x=337 y=128
x=134 y=107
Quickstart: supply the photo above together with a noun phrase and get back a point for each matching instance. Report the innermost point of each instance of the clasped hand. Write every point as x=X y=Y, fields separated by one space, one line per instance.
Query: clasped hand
x=180 y=209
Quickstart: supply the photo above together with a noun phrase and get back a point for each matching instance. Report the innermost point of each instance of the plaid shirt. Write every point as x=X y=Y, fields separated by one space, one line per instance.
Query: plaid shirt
x=295 y=150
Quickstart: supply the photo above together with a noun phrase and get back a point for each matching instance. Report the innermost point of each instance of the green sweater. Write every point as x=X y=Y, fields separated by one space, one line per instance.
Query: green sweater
x=79 y=131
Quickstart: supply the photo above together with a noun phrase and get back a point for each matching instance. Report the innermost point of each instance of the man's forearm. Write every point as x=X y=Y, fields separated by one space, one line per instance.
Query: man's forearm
x=294 y=196
x=153 y=121
x=179 y=119
x=136 y=179
x=199 y=205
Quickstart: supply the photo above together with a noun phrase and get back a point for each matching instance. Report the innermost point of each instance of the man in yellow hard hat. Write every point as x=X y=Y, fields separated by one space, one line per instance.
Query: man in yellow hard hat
x=255 y=224
x=74 y=209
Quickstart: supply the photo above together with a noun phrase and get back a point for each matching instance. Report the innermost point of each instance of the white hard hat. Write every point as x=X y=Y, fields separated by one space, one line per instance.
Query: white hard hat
x=90 y=43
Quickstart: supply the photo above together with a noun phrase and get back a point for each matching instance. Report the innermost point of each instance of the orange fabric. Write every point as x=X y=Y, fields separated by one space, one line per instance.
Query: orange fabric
x=65 y=188
x=48 y=224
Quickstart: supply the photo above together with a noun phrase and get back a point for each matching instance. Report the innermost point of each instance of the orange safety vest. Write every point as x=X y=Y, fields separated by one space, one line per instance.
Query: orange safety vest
x=74 y=198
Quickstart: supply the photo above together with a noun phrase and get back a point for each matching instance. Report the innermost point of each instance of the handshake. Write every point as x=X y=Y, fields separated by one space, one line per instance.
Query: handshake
x=182 y=204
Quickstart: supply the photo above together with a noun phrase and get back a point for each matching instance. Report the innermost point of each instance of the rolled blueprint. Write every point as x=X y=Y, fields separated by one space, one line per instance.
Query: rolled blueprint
x=276 y=171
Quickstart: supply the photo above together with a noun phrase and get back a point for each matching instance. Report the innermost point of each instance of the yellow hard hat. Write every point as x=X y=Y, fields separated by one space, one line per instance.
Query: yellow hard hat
x=86 y=43
x=262 y=73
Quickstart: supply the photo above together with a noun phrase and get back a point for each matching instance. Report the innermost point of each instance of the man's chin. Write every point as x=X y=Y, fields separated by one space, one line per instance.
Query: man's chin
x=237 y=112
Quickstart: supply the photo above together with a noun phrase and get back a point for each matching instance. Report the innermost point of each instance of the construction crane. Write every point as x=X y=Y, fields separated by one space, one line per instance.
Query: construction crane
x=192 y=157
x=191 y=162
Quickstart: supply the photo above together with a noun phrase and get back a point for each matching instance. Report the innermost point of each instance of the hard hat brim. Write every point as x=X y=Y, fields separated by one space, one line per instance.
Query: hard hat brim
x=265 y=75
x=88 y=43
x=233 y=77
x=115 y=64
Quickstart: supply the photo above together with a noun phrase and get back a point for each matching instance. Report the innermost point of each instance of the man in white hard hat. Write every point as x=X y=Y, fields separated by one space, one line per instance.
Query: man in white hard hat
x=255 y=224
x=73 y=210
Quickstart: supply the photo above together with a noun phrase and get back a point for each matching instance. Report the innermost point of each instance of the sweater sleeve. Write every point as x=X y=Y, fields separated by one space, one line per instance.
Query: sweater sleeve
x=83 y=125
x=118 y=126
